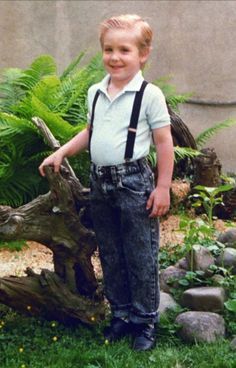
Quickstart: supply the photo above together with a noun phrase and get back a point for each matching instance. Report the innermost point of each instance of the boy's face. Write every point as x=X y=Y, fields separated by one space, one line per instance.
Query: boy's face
x=121 y=56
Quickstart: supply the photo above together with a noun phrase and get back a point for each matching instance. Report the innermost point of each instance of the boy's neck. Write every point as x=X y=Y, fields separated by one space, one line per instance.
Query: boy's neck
x=114 y=88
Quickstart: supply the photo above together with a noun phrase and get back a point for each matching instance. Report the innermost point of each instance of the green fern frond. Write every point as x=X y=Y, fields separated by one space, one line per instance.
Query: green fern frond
x=46 y=91
x=10 y=93
x=73 y=65
x=58 y=126
x=42 y=66
x=180 y=154
x=202 y=138
x=11 y=125
x=72 y=95
x=185 y=152
x=31 y=106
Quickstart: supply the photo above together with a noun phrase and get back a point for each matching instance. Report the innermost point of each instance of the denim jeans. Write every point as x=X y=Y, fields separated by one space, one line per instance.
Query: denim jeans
x=128 y=239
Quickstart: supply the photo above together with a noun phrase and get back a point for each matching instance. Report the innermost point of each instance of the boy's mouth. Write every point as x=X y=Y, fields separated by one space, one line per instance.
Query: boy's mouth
x=116 y=67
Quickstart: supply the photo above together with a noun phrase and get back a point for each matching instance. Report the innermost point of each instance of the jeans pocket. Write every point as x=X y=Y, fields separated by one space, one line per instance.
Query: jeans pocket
x=134 y=183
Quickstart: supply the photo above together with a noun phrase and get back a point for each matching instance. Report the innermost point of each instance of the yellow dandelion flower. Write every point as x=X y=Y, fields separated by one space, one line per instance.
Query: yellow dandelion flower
x=23 y=366
x=1 y=326
x=2 y=323
x=93 y=319
x=21 y=350
x=55 y=338
x=29 y=307
x=53 y=324
x=106 y=342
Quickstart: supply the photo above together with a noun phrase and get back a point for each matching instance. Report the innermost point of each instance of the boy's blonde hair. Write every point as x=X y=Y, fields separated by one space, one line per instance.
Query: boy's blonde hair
x=129 y=21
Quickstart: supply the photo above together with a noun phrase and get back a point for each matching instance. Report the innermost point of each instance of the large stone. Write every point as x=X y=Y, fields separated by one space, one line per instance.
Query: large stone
x=183 y=264
x=201 y=258
x=167 y=302
x=233 y=344
x=227 y=259
x=204 y=299
x=200 y=326
x=217 y=280
x=228 y=238
x=169 y=278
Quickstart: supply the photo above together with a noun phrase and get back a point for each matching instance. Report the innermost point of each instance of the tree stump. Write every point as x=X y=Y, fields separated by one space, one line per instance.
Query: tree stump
x=56 y=220
x=207 y=169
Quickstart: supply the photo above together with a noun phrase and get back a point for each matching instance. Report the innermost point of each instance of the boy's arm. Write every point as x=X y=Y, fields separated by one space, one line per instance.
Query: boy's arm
x=75 y=145
x=159 y=200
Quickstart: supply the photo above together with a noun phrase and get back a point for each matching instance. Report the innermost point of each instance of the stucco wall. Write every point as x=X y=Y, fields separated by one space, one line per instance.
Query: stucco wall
x=194 y=42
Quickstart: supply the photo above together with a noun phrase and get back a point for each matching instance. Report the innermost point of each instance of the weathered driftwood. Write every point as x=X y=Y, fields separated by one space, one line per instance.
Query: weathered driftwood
x=182 y=137
x=55 y=220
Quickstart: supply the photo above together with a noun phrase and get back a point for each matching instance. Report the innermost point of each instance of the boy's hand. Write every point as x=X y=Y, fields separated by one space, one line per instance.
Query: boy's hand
x=54 y=160
x=159 y=202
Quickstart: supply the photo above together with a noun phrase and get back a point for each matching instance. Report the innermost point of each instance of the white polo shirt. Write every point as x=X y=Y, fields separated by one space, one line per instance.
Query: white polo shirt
x=112 y=118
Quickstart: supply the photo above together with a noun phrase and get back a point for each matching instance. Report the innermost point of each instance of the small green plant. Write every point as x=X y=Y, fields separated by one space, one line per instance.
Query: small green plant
x=230 y=304
x=196 y=231
x=13 y=245
x=209 y=198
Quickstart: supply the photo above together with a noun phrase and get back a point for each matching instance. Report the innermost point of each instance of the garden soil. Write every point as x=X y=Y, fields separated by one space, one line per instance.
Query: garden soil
x=37 y=256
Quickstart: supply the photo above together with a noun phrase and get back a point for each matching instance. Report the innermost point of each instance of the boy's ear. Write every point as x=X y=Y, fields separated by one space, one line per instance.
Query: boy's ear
x=144 y=55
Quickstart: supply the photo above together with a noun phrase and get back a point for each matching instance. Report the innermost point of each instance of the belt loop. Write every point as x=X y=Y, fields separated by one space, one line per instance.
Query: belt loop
x=114 y=172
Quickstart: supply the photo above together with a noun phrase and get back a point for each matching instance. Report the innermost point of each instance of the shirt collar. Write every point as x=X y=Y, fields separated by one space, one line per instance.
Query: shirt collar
x=133 y=85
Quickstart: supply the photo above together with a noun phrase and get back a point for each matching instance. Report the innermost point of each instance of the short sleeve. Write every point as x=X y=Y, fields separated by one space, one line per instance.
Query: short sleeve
x=156 y=108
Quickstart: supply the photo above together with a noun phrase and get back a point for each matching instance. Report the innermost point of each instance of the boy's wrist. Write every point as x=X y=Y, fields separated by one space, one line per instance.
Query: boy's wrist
x=163 y=186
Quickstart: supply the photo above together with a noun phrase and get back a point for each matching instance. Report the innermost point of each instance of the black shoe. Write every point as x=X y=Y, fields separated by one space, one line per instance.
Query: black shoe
x=145 y=338
x=117 y=330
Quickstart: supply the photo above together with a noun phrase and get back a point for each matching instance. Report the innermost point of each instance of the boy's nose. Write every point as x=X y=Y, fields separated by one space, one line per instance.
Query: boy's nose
x=114 y=56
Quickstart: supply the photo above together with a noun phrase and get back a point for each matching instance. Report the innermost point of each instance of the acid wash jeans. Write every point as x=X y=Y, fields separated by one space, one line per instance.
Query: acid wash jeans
x=128 y=239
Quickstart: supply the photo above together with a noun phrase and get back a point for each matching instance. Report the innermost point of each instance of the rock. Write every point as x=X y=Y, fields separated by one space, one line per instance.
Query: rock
x=169 y=278
x=166 y=303
x=204 y=299
x=233 y=344
x=200 y=326
x=217 y=280
x=182 y=263
x=202 y=258
x=227 y=259
x=228 y=238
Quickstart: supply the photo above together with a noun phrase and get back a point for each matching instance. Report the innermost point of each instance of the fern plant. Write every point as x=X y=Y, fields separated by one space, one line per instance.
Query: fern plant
x=203 y=137
x=60 y=101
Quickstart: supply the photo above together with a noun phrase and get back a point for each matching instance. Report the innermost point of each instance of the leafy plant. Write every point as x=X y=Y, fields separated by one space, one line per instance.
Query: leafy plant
x=196 y=230
x=231 y=305
x=209 y=197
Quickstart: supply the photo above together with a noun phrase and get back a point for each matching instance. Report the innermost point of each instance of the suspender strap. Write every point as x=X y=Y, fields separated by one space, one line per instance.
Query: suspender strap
x=134 y=122
x=92 y=117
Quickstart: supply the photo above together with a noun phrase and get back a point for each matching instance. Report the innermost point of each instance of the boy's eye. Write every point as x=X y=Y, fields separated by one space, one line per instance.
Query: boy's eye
x=124 y=49
x=108 y=49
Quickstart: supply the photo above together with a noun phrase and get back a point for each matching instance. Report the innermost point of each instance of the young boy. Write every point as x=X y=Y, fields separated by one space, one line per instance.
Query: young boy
x=125 y=203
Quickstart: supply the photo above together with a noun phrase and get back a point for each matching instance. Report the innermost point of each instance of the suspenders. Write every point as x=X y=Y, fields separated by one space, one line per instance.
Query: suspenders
x=132 y=125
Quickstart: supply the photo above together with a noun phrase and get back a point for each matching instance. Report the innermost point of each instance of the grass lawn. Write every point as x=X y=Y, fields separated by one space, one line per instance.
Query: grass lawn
x=27 y=342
